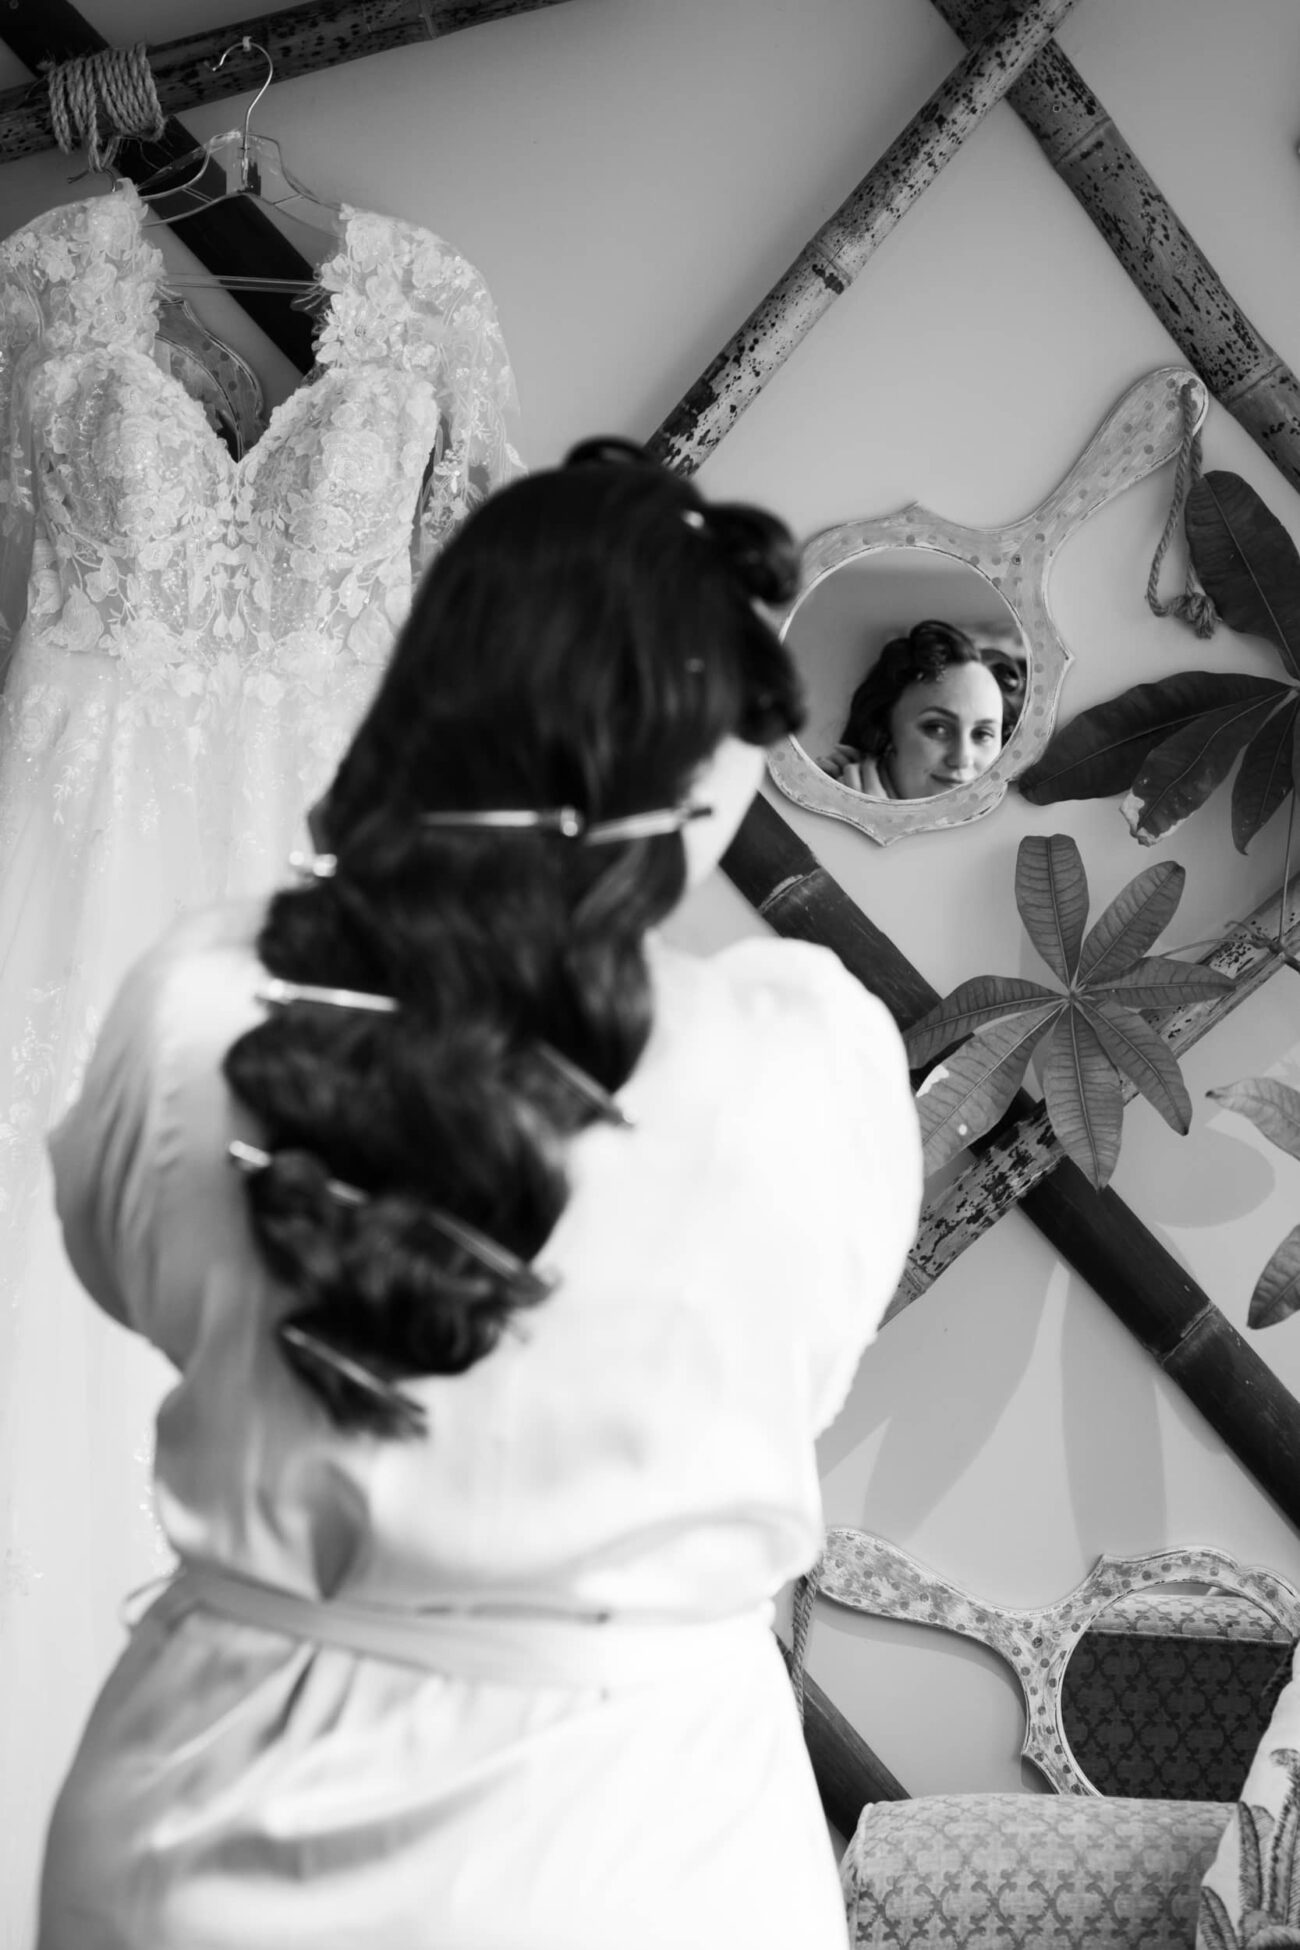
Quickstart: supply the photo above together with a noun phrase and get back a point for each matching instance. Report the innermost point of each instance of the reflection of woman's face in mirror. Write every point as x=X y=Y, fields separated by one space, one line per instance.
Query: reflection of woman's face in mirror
x=932 y=713
x=944 y=733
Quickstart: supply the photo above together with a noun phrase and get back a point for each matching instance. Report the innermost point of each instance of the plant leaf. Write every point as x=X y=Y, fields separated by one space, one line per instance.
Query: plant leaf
x=1160 y=982
x=1266 y=775
x=1277 y=1290
x=971 y=1006
x=1272 y=1107
x=1215 y=1929
x=1180 y=773
x=1135 y=918
x=964 y=1097
x=1247 y=561
x=1052 y=895
x=1101 y=752
x=1084 y=1097
x=1146 y=1059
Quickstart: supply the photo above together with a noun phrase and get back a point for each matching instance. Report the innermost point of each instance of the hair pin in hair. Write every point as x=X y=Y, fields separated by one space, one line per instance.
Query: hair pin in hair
x=491 y=1254
x=314 y=866
x=250 y=1158
x=645 y=825
x=584 y=1086
x=278 y=993
x=570 y=824
x=408 y=1416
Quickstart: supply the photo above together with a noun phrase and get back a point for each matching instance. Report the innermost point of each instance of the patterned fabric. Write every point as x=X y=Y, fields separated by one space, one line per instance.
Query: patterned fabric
x=1251 y=1892
x=1172 y=1717
x=1028 y=1872
x=186 y=642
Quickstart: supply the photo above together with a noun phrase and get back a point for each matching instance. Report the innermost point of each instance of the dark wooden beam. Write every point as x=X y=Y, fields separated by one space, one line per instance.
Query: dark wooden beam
x=848 y=1772
x=300 y=40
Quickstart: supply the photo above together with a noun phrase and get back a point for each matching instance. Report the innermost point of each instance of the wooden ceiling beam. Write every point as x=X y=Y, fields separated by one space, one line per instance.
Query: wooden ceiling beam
x=300 y=40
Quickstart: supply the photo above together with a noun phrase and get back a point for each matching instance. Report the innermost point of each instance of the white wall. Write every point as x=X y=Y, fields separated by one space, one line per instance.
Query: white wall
x=631 y=179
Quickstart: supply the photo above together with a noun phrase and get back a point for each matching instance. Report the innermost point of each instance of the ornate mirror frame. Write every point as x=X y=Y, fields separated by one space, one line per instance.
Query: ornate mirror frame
x=1141 y=432
x=870 y=1575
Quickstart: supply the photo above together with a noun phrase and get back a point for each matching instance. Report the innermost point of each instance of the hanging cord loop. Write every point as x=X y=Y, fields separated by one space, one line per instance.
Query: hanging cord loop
x=99 y=101
x=1193 y=607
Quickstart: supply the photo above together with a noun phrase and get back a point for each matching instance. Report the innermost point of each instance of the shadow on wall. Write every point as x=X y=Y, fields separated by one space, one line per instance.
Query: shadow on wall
x=974 y=1362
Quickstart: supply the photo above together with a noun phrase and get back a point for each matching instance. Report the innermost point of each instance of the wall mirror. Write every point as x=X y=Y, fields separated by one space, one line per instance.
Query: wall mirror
x=941 y=749
x=1153 y=1678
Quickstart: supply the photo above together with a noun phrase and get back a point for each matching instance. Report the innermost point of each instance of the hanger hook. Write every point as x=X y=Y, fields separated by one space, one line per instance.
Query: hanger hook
x=249 y=46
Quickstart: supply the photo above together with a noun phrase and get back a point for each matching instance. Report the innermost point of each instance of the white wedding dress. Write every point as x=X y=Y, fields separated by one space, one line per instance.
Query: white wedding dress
x=186 y=643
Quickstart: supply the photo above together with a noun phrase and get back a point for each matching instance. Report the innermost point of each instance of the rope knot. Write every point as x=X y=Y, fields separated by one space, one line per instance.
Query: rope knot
x=99 y=101
x=1194 y=606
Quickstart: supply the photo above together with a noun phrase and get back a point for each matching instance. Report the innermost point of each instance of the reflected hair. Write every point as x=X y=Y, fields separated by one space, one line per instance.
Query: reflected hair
x=587 y=639
x=921 y=657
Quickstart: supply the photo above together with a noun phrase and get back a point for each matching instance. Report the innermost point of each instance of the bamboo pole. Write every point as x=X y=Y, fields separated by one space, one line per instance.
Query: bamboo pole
x=300 y=40
x=1015 y=1161
x=1173 y=274
x=1177 y=1323
x=832 y=260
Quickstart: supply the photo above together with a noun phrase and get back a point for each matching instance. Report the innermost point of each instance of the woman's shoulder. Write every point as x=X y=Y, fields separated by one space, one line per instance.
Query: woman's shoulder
x=775 y=988
x=195 y=985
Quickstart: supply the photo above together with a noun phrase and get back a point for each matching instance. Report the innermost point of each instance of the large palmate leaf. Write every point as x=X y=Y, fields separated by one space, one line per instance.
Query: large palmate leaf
x=1101 y=752
x=1084 y=1097
x=965 y=1096
x=1247 y=561
x=1179 y=774
x=1052 y=896
x=1092 y=1034
x=1277 y=1290
x=1272 y=1107
x=971 y=1007
x=1138 y=914
x=1266 y=775
x=1159 y=982
x=1144 y=1056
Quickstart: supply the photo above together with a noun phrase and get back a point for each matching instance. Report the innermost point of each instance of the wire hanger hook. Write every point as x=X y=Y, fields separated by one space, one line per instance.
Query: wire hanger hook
x=247 y=167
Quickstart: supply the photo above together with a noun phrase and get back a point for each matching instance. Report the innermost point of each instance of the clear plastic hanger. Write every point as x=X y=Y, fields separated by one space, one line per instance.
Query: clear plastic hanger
x=242 y=163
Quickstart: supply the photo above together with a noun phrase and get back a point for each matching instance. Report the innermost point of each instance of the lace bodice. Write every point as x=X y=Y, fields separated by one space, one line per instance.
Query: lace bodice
x=128 y=529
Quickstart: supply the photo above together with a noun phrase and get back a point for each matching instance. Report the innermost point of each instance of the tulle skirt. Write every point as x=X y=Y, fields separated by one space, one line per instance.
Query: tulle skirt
x=121 y=806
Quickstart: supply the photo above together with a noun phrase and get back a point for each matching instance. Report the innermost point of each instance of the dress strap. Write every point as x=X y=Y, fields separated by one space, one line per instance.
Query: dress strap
x=508 y=1647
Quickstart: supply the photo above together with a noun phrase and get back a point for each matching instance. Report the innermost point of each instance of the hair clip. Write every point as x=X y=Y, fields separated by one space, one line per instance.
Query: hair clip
x=584 y=1086
x=644 y=825
x=314 y=866
x=277 y=992
x=250 y=1159
x=408 y=1415
x=572 y=825
x=495 y=1258
x=565 y=820
x=694 y=518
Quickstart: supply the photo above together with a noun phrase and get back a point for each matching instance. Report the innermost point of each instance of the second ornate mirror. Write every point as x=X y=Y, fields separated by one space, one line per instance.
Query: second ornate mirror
x=928 y=651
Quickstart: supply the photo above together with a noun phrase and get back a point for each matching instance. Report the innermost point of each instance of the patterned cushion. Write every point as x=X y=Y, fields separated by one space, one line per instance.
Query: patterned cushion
x=1251 y=1893
x=1029 y=1872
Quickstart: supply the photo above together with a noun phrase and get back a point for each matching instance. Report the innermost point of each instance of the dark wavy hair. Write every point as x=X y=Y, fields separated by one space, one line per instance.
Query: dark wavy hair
x=587 y=640
x=921 y=657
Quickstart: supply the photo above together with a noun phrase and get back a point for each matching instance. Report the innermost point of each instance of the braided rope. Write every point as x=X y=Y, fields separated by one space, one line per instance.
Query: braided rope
x=1193 y=607
x=98 y=101
x=805 y=1597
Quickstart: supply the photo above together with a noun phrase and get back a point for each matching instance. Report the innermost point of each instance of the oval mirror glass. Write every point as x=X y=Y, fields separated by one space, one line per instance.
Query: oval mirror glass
x=915 y=669
x=1168 y=1692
